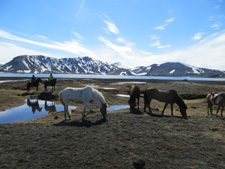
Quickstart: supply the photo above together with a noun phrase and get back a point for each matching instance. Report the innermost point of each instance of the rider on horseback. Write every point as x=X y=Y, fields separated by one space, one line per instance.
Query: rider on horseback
x=33 y=79
x=50 y=78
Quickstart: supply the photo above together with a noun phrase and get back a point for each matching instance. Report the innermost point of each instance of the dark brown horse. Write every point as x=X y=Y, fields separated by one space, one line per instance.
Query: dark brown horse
x=34 y=84
x=218 y=99
x=50 y=83
x=169 y=97
x=134 y=92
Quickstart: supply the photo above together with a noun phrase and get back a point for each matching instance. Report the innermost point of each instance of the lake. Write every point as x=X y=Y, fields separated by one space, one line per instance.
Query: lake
x=78 y=76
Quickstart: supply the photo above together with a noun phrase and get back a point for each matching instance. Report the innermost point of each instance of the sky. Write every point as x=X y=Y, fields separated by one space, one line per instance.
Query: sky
x=132 y=32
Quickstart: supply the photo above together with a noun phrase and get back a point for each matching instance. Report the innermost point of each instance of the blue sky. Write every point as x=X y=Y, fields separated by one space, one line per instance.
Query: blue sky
x=132 y=32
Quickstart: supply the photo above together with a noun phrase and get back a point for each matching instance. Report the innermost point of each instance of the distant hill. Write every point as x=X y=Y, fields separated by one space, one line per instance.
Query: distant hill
x=87 y=65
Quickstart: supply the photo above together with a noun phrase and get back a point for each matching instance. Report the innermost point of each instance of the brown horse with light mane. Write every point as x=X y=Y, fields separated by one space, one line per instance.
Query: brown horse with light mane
x=218 y=99
x=169 y=97
x=134 y=92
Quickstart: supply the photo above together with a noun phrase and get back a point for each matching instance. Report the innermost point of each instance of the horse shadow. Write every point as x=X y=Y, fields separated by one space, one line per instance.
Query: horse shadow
x=166 y=116
x=83 y=123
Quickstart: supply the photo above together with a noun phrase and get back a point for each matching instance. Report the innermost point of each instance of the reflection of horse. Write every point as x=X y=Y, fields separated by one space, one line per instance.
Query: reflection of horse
x=84 y=95
x=134 y=92
x=34 y=84
x=169 y=97
x=34 y=106
x=216 y=98
x=51 y=108
x=50 y=83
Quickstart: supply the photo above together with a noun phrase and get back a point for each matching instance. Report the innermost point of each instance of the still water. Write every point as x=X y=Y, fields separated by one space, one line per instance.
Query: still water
x=32 y=109
x=75 y=76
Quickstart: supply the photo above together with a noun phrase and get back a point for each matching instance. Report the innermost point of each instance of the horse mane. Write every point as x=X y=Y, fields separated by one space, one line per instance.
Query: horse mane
x=97 y=94
x=180 y=101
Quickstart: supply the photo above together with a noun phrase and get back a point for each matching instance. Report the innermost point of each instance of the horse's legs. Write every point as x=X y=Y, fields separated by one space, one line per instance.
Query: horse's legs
x=138 y=102
x=66 y=110
x=171 y=109
x=222 y=111
x=164 y=108
x=150 y=111
x=217 y=110
x=209 y=108
x=83 y=114
x=87 y=104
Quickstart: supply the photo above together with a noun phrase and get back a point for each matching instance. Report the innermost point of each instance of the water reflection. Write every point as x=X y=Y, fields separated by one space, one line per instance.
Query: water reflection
x=32 y=109
x=50 y=108
x=118 y=107
x=34 y=105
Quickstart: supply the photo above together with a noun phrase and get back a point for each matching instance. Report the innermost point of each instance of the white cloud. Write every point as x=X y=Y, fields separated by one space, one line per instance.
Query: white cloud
x=111 y=27
x=170 y=20
x=197 y=36
x=9 y=51
x=215 y=26
x=80 y=8
x=68 y=46
x=164 y=46
x=78 y=35
x=42 y=37
x=120 y=40
x=161 y=27
x=157 y=43
x=215 y=7
x=154 y=37
x=208 y=52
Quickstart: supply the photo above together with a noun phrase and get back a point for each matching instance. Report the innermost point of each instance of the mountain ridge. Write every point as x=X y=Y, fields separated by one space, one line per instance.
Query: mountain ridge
x=87 y=65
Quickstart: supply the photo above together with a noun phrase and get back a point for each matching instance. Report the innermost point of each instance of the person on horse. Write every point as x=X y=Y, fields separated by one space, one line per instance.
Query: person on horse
x=33 y=79
x=50 y=78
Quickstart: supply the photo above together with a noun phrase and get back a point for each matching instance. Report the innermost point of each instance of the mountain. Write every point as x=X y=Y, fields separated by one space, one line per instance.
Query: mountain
x=43 y=64
x=86 y=65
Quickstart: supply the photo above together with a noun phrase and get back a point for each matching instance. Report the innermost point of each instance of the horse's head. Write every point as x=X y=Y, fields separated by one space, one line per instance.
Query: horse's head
x=103 y=110
x=183 y=111
x=38 y=80
x=132 y=103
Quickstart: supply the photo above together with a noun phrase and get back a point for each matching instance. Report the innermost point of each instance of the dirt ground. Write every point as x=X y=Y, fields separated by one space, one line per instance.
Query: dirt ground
x=127 y=140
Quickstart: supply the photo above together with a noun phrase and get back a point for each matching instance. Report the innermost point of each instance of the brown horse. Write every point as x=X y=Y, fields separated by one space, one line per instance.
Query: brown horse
x=218 y=99
x=134 y=92
x=50 y=83
x=169 y=97
x=34 y=84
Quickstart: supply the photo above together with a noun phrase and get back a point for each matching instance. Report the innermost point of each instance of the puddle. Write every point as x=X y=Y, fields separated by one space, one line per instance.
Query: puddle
x=123 y=83
x=31 y=110
x=123 y=95
x=118 y=107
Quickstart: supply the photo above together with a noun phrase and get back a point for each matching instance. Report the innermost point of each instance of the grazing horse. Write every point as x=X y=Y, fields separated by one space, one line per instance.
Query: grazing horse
x=84 y=95
x=169 y=97
x=218 y=99
x=134 y=92
x=50 y=83
x=34 y=84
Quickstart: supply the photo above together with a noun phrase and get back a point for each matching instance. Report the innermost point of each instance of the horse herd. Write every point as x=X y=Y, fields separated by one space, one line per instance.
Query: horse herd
x=87 y=94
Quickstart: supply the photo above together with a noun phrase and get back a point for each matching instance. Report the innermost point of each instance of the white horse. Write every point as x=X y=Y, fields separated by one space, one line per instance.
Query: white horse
x=84 y=95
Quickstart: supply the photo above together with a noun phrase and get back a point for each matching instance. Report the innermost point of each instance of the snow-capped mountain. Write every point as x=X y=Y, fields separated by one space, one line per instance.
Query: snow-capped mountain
x=86 y=65
x=43 y=64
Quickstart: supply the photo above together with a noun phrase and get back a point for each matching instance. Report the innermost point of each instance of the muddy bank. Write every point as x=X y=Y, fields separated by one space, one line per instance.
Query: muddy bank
x=159 y=142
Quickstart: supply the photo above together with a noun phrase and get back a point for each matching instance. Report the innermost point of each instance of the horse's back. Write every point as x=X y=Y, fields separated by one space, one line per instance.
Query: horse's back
x=220 y=99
